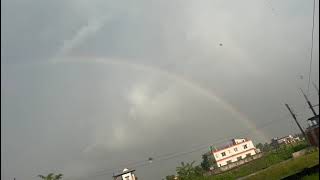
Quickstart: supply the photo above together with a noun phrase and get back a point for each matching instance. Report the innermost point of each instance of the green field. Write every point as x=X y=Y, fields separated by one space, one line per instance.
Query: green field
x=289 y=167
x=311 y=177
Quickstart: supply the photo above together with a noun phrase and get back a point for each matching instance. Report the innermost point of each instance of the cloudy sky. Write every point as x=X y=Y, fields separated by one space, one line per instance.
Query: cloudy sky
x=89 y=86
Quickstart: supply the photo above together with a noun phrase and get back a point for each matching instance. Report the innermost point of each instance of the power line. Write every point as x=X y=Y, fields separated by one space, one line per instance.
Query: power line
x=311 y=51
x=169 y=156
x=178 y=154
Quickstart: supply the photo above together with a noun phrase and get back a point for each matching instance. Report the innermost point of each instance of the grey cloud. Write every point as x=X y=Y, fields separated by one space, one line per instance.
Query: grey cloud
x=81 y=117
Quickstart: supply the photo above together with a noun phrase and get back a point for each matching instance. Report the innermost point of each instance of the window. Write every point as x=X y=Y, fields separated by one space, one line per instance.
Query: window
x=223 y=154
x=249 y=154
x=235 y=149
x=245 y=146
x=228 y=162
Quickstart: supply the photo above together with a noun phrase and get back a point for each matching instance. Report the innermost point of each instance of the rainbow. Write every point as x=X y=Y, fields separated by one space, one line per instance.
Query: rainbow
x=177 y=78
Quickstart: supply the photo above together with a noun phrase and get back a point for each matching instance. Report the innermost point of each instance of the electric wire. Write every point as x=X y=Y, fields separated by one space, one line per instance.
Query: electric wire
x=169 y=156
x=311 y=50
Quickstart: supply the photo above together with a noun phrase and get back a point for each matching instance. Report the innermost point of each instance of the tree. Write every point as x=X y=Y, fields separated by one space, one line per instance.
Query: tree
x=170 y=177
x=188 y=171
x=205 y=164
x=198 y=171
x=266 y=147
x=260 y=146
x=51 y=176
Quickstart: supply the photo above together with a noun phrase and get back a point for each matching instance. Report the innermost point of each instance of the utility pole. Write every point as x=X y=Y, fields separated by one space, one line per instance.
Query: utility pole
x=295 y=119
x=315 y=86
x=309 y=103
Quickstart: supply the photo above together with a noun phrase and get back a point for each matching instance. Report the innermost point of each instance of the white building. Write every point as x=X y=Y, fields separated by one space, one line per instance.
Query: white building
x=125 y=175
x=239 y=149
x=284 y=140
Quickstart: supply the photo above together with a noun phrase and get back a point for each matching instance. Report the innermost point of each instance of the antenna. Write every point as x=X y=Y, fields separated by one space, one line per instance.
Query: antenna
x=295 y=119
x=309 y=103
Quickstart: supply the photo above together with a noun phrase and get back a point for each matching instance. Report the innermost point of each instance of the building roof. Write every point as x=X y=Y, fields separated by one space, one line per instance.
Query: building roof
x=284 y=137
x=124 y=172
x=230 y=145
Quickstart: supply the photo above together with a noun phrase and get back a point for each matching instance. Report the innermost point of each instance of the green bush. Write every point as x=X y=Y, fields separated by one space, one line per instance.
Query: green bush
x=300 y=147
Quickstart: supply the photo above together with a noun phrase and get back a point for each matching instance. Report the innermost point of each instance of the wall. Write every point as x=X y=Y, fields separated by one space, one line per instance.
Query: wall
x=235 y=164
x=237 y=141
x=128 y=176
x=232 y=155
x=299 y=153
x=313 y=135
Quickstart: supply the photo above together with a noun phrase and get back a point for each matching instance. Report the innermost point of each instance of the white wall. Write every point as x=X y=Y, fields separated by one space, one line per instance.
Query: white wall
x=239 y=140
x=128 y=176
x=232 y=154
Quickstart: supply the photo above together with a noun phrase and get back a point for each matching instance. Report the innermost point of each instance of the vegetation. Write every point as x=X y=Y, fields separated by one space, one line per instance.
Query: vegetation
x=259 y=146
x=289 y=167
x=51 y=176
x=264 y=147
x=311 y=177
x=189 y=172
x=271 y=157
x=170 y=177
x=205 y=162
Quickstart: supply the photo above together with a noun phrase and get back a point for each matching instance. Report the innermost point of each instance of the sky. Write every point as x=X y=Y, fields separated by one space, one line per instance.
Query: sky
x=91 y=86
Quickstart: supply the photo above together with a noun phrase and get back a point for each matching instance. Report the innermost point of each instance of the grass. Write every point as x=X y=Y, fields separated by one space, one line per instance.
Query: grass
x=311 y=177
x=272 y=165
x=269 y=159
x=266 y=161
x=288 y=168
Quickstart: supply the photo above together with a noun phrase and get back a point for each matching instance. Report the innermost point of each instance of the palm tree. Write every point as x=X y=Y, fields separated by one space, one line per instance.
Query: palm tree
x=188 y=172
x=51 y=176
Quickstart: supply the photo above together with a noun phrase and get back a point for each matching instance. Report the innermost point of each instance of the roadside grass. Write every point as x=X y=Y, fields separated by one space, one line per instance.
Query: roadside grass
x=288 y=168
x=314 y=176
